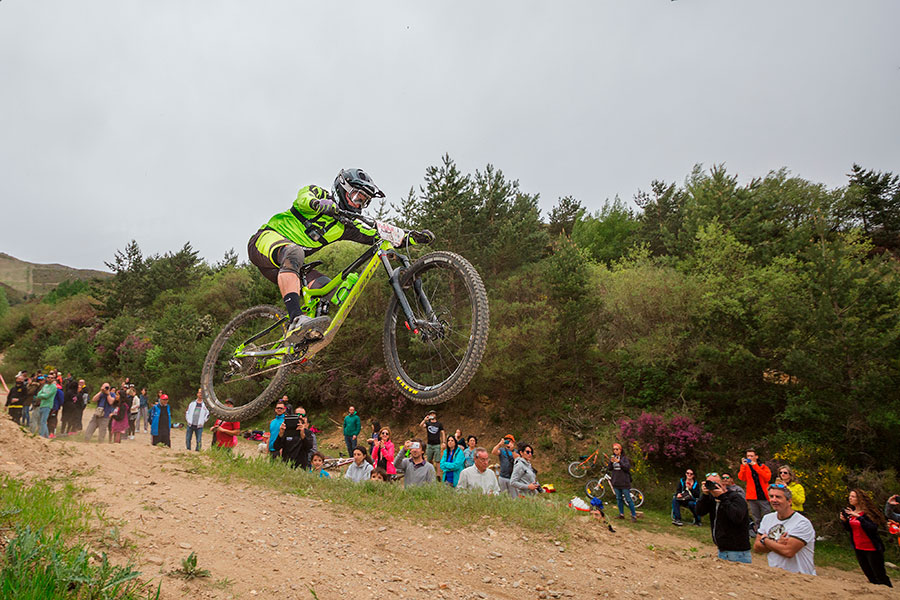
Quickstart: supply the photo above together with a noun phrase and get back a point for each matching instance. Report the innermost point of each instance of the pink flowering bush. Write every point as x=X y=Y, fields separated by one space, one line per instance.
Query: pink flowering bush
x=672 y=440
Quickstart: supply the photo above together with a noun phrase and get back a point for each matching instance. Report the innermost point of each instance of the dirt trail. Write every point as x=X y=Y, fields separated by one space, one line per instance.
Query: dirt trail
x=279 y=546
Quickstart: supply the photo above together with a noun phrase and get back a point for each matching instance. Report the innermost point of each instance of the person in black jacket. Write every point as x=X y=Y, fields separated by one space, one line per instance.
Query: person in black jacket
x=295 y=445
x=17 y=397
x=686 y=494
x=728 y=519
x=620 y=468
x=862 y=519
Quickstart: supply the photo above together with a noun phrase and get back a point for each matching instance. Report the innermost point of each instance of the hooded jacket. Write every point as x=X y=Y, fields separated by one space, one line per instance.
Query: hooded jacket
x=728 y=520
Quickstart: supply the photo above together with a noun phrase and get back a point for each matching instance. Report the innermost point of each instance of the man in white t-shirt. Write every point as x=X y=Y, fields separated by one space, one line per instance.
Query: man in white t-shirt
x=786 y=536
x=478 y=476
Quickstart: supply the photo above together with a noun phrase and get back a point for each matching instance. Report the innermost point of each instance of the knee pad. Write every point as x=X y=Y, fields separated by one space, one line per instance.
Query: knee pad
x=291 y=259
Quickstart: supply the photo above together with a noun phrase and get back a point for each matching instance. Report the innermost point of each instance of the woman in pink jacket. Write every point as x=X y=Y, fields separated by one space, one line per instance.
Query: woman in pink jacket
x=383 y=451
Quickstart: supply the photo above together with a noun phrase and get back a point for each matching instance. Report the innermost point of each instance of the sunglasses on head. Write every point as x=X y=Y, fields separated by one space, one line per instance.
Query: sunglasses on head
x=713 y=474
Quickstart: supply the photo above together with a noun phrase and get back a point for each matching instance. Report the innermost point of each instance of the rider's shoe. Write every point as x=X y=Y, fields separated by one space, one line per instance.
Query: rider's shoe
x=304 y=328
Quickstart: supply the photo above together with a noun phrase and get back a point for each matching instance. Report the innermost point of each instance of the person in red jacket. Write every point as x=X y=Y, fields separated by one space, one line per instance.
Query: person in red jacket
x=757 y=477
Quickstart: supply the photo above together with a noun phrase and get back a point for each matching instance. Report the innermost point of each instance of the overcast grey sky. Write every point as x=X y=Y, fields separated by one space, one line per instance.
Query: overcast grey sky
x=170 y=121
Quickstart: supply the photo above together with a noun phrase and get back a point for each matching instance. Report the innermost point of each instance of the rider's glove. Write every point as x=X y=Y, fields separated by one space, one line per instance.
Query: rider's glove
x=325 y=206
x=421 y=237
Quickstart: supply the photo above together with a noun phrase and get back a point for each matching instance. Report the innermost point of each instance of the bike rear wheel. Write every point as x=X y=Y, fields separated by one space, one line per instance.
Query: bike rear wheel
x=431 y=363
x=251 y=383
x=578 y=469
x=594 y=488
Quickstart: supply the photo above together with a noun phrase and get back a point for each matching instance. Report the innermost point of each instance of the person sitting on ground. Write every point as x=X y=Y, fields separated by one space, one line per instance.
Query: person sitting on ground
x=415 y=469
x=294 y=444
x=524 y=476
x=452 y=461
x=687 y=493
x=469 y=451
x=786 y=536
x=383 y=452
x=862 y=520
x=798 y=494
x=506 y=450
x=317 y=462
x=360 y=469
x=729 y=519
x=478 y=476
x=379 y=475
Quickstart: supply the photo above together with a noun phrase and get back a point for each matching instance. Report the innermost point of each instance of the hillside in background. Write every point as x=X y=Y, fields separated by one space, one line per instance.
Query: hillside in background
x=20 y=277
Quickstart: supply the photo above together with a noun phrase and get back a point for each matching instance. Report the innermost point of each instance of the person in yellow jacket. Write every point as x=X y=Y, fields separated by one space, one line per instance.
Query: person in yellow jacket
x=798 y=494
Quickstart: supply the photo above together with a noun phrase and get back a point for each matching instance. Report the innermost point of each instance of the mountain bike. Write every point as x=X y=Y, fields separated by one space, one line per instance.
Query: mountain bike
x=594 y=489
x=579 y=469
x=434 y=337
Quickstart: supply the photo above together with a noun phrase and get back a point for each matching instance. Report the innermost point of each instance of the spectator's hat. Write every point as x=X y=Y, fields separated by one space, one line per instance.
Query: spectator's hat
x=229 y=401
x=164 y=397
x=21 y=374
x=509 y=437
x=430 y=412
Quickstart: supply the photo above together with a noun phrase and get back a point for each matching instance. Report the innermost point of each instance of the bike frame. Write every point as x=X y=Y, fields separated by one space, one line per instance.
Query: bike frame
x=380 y=253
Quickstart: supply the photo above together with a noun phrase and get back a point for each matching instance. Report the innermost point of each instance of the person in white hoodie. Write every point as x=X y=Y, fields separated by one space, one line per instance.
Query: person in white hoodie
x=195 y=418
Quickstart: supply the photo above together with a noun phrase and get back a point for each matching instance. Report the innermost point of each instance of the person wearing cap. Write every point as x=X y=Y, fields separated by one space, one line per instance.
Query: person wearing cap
x=226 y=432
x=17 y=396
x=436 y=437
x=506 y=450
x=161 y=422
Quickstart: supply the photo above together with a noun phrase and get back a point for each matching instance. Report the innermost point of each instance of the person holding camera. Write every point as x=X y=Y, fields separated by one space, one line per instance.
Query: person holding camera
x=415 y=469
x=294 y=440
x=686 y=494
x=620 y=467
x=756 y=476
x=785 y=536
x=435 y=436
x=728 y=519
x=862 y=520
x=506 y=450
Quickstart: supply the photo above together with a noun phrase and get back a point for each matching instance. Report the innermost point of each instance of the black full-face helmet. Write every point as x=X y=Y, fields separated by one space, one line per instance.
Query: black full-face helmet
x=354 y=189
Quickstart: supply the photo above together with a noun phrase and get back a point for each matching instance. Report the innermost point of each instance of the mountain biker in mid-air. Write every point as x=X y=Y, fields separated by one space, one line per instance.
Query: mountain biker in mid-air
x=280 y=246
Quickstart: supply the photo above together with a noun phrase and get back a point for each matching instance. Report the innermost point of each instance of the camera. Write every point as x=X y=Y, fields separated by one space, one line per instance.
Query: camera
x=414 y=446
x=710 y=485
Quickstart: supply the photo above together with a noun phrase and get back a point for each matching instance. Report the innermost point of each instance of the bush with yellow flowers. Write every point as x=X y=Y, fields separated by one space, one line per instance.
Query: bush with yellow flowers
x=823 y=478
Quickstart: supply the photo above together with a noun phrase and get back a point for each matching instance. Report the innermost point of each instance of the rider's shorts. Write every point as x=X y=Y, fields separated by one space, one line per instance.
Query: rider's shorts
x=266 y=248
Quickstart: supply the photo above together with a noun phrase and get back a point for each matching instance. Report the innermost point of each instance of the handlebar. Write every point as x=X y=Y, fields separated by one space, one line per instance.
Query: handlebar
x=347 y=217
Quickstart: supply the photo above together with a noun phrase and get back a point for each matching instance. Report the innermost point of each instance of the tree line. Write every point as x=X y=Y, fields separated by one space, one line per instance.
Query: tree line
x=769 y=310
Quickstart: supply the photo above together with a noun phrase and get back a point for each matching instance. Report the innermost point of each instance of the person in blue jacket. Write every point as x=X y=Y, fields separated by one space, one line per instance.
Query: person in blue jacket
x=275 y=426
x=452 y=461
x=161 y=422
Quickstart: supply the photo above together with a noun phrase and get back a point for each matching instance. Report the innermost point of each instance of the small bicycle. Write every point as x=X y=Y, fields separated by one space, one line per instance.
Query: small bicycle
x=594 y=489
x=435 y=328
x=580 y=469
x=336 y=463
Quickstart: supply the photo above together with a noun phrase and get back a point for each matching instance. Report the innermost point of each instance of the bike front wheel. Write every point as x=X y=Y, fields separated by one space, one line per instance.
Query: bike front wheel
x=578 y=469
x=432 y=360
x=637 y=497
x=594 y=488
x=234 y=370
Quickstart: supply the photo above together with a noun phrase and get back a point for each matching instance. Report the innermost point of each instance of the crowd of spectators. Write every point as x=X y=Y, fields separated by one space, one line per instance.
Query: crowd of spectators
x=765 y=516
